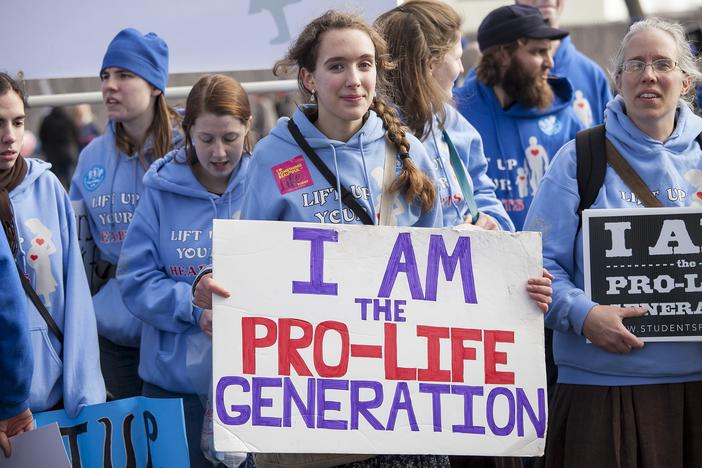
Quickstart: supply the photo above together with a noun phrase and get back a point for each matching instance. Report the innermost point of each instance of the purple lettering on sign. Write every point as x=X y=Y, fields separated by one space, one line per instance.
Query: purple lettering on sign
x=306 y=410
x=244 y=411
x=461 y=255
x=364 y=306
x=258 y=402
x=317 y=238
x=468 y=393
x=385 y=308
x=363 y=407
x=436 y=391
x=323 y=405
x=402 y=401
x=403 y=247
x=523 y=404
x=490 y=411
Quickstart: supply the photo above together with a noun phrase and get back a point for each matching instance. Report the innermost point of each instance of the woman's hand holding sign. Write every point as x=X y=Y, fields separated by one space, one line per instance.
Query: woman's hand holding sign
x=603 y=326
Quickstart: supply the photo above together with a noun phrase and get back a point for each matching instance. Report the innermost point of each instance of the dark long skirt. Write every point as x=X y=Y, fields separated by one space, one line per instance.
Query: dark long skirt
x=641 y=426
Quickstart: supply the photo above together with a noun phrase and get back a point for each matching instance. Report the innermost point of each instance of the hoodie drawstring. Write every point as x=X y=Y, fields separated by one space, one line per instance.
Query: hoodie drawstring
x=365 y=177
x=338 y=185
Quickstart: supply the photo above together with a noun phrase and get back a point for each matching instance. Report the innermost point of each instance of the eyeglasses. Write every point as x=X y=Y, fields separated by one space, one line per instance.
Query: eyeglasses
x=663 y=65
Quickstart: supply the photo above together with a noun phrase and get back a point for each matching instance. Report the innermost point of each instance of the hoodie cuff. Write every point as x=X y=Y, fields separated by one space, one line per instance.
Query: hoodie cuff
x=580 y=307
x=197 y=312
x=203 y=272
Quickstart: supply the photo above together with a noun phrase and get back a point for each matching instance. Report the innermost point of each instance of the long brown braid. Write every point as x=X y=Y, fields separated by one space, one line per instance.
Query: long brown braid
x=412 y=181
x=303 y=54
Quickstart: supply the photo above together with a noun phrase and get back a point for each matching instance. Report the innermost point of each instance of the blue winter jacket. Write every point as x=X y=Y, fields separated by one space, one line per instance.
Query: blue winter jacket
x=16 y=358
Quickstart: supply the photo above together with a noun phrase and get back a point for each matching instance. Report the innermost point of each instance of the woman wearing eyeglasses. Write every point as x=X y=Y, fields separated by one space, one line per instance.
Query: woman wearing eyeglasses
x=619 y=403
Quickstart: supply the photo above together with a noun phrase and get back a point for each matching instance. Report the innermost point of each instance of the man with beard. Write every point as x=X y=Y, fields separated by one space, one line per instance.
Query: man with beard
x=590 y=84
x=523 y=115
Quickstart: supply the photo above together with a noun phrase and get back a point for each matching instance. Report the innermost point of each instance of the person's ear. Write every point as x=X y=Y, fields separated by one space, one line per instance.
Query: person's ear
x=308 y=80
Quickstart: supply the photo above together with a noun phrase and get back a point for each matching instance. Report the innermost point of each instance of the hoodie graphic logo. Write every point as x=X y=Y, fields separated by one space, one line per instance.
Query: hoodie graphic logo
x=41 y=247
x=93 y=178
x=292 y=175
x=550 y=125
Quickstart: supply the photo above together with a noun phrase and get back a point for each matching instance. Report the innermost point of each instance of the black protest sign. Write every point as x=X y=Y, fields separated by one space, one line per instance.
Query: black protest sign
x=649 y=258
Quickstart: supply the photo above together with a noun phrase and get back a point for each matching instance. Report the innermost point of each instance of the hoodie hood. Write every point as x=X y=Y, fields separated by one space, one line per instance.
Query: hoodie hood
x=629 y=139
x=35 y=168
x=174 y=174
x=371 y=131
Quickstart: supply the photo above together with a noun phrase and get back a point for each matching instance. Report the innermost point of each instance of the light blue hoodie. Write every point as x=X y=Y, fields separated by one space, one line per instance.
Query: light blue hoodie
x=169 y=241
x=285 y=185
x=51 y=258
x=662 y=166
x=109 y=183
x=509 y=135
x=469 y=147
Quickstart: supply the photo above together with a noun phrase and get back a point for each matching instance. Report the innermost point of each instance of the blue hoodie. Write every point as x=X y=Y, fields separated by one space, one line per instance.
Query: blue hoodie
x=591 y=87
x=109 y=183
x=285 y=184
x=16 y=359
x=469 y=147
x=662 y=166
x=51 y=258
x=509 y=135
x=169 y=241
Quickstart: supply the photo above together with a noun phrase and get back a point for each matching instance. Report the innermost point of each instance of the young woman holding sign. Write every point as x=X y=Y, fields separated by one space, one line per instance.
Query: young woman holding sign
x=38 y=221
x=169 y=241
x=341 y=63
x=618 y=402
x=108 y=180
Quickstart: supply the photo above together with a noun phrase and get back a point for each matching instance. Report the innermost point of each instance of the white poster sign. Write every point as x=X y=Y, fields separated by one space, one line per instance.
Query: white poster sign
x=376 y=340
x=68 y=38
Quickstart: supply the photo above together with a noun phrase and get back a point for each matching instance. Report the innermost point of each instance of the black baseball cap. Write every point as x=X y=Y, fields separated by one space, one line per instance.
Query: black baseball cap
x=509 y=23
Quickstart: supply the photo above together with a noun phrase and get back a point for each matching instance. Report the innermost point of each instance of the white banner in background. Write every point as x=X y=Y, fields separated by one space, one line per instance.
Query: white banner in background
x=368 y=339
x=68 y=38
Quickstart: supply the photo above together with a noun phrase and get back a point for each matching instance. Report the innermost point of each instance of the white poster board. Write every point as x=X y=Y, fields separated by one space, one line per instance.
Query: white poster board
x=377 y=340
x=68 y=38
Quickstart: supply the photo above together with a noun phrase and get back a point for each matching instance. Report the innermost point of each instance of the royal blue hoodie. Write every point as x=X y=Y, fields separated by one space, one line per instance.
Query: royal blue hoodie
x=285 y=185
x=50 y=256
x=662 y=166
x=109 y=183
x=591 y=91
x=510 y=134
x=168 y=242
x=16 y=358
x=469 y=147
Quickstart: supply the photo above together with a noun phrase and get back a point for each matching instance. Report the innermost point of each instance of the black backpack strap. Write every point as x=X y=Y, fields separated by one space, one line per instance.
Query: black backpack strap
x=346 y=197
x=50 y=322
x=591 y=157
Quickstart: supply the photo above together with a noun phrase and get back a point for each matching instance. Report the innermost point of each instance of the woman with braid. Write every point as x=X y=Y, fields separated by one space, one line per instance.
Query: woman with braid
x=341 y=65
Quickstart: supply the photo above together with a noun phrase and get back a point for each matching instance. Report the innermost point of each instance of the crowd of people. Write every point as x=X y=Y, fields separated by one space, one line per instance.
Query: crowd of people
x=496 y=153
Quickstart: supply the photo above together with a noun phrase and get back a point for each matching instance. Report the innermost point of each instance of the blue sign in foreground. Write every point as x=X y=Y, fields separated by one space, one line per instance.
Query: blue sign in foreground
x=134 y=432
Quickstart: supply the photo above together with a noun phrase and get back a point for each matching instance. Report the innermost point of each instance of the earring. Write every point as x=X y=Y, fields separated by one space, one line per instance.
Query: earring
x=313 y=97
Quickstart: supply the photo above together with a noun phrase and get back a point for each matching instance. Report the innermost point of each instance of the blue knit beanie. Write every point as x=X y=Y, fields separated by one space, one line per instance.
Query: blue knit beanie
x=143 y=55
